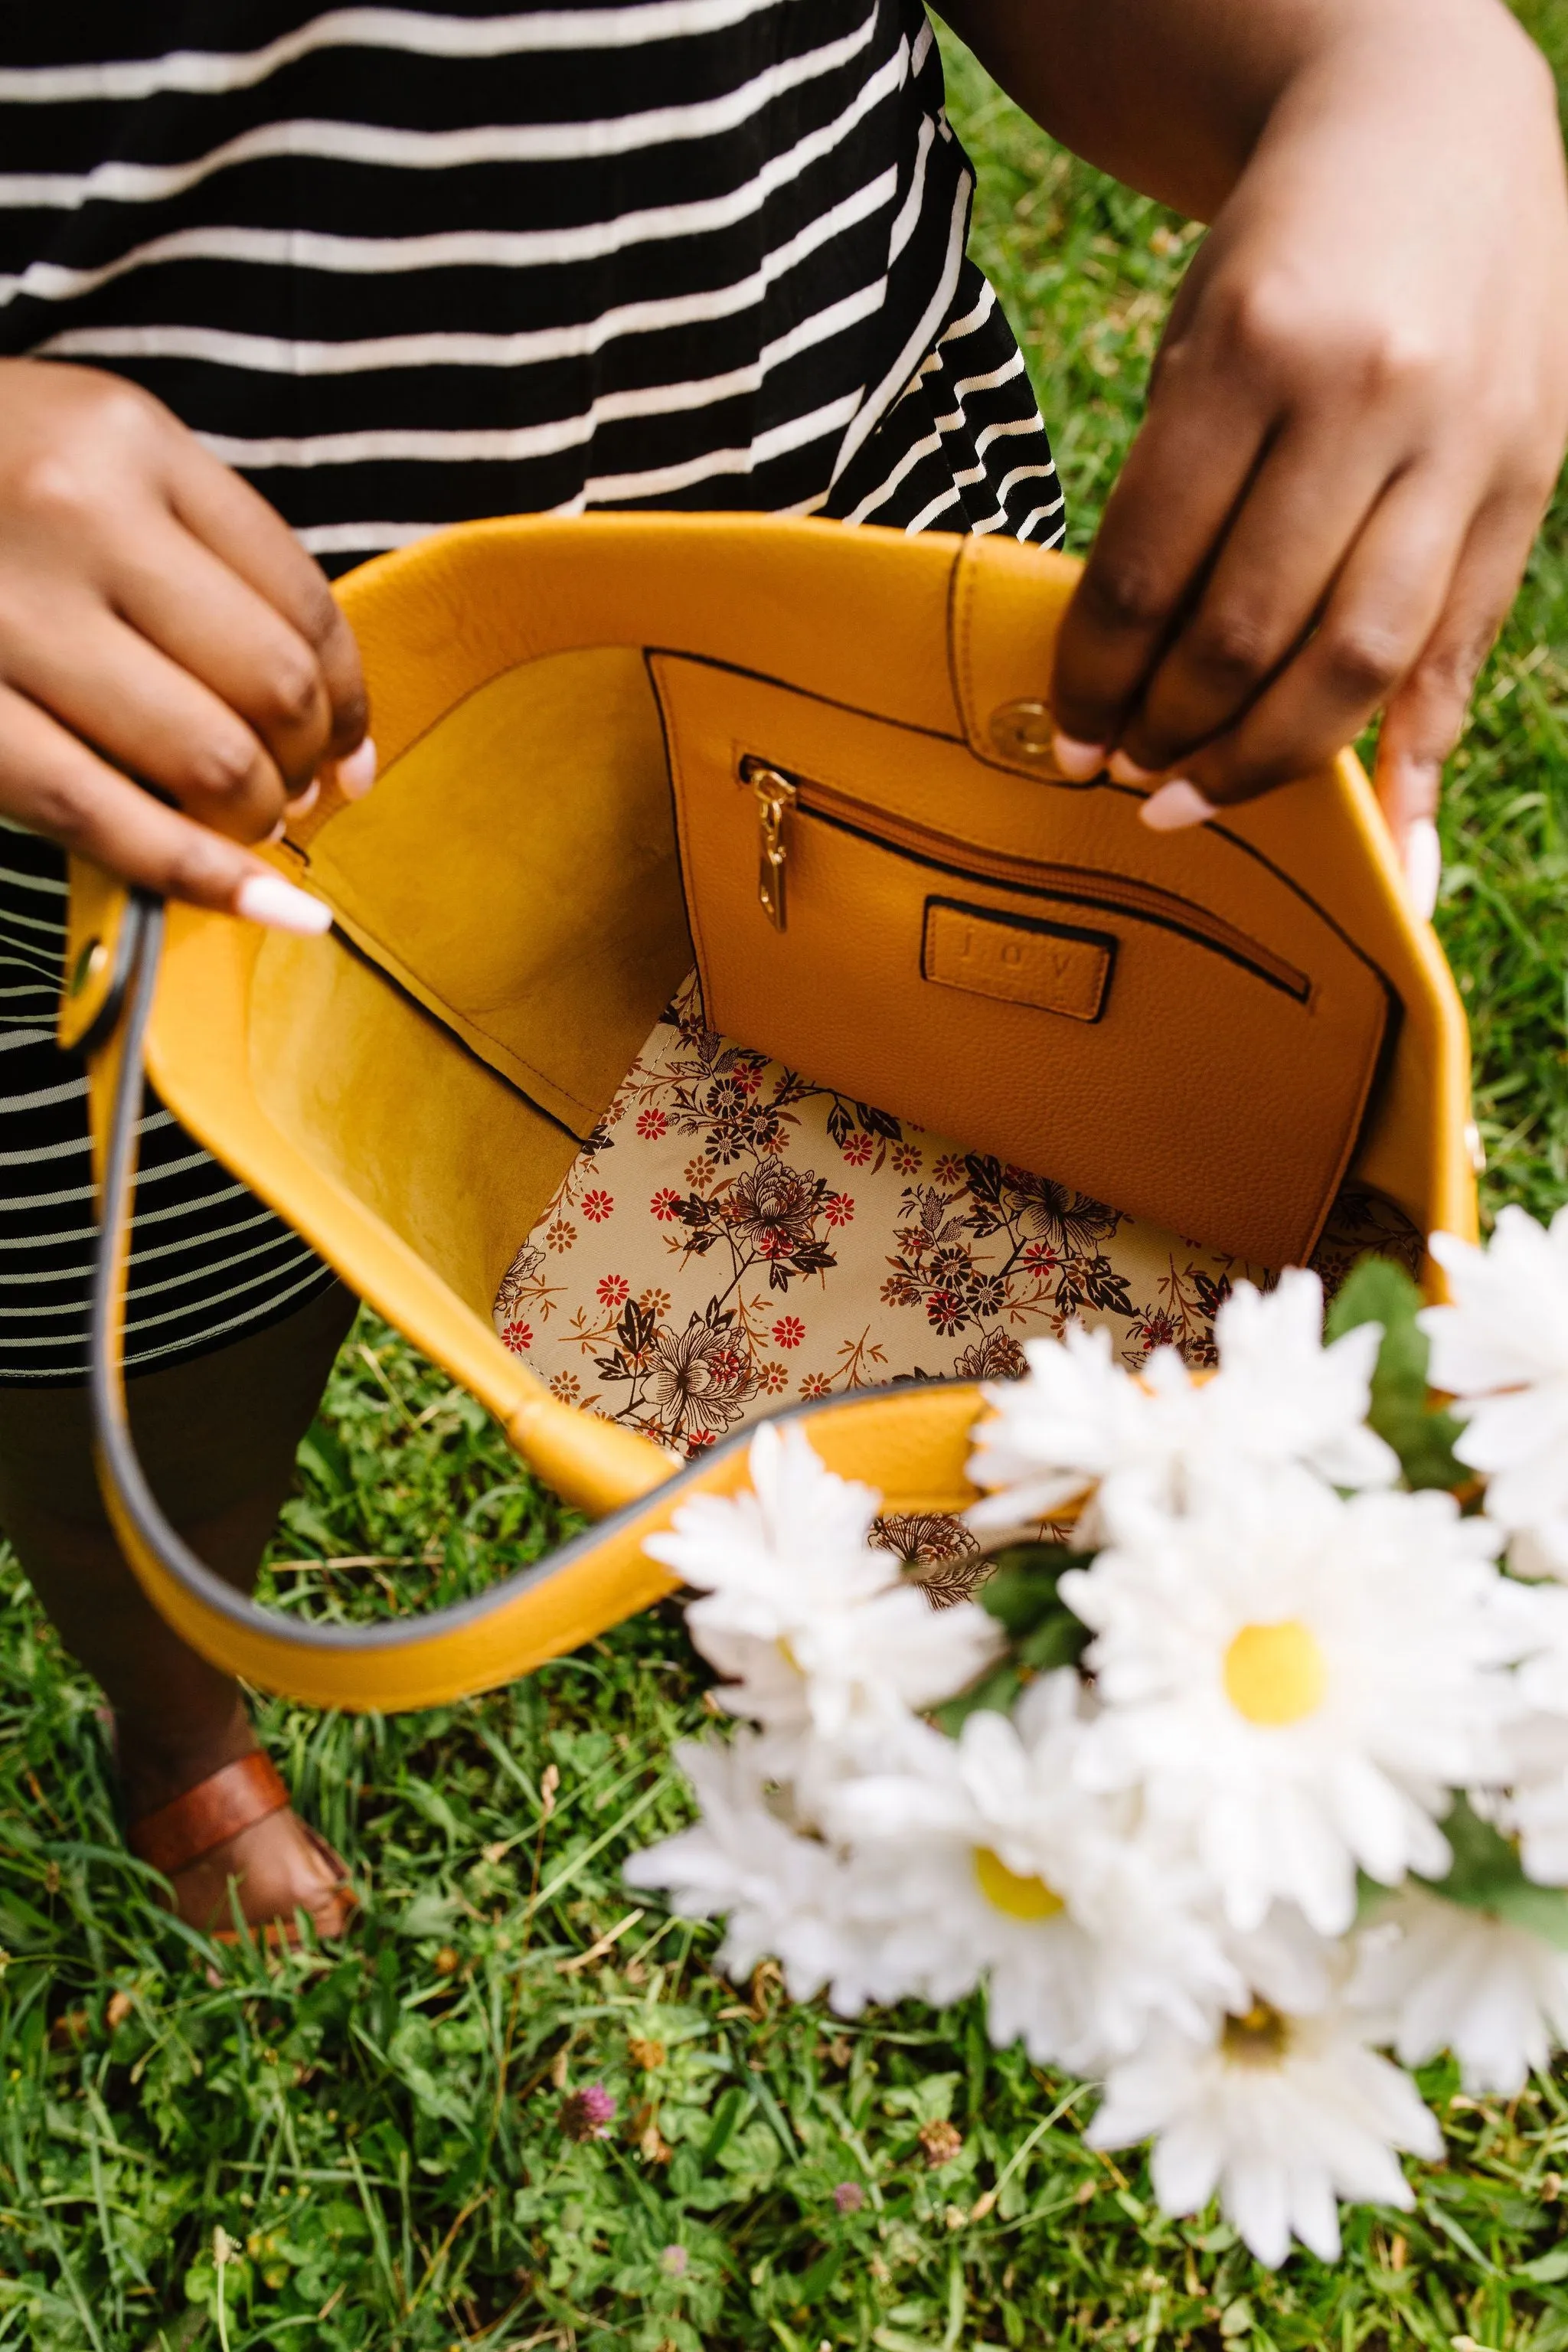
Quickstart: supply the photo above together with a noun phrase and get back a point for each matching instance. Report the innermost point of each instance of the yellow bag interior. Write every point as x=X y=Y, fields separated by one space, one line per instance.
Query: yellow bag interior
x=513 y=887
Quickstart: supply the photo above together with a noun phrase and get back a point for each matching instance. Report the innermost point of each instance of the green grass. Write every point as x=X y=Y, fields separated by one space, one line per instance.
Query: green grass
x=362 y=2147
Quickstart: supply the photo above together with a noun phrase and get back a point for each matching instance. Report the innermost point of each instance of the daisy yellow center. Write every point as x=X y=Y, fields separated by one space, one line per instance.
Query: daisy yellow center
x=1276 y=1673
x=1261 y=2038
x=1019 y=1898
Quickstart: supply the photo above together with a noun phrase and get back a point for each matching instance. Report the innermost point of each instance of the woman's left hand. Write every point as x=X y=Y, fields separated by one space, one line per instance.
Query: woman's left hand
x=1359 y=408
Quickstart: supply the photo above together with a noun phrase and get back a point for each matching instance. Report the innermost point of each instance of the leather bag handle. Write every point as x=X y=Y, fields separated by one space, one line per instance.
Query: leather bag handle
x=911 y=1442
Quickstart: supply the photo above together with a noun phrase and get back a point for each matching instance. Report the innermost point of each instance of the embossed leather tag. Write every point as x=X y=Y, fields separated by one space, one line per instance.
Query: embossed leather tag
x=1054 y=967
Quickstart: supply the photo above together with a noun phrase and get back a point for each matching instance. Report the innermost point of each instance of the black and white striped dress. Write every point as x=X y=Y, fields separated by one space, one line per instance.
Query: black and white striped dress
x=405 y=266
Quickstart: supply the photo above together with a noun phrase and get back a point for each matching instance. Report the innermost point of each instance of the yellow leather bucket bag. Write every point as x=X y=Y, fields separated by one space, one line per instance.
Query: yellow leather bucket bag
x=813 y=763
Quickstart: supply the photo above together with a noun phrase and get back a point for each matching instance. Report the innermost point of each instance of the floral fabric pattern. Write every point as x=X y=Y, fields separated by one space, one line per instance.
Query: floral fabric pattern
x=733 y=1237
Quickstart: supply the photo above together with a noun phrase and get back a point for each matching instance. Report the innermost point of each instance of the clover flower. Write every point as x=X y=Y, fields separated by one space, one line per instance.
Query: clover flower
x=587 y=2114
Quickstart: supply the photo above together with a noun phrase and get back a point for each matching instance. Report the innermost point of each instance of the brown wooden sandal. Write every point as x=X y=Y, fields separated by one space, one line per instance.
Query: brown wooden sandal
x=179 y=1835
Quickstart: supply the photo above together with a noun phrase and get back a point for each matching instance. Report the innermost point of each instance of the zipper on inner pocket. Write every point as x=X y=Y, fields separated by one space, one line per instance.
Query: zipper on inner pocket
x=776 y=796
x=780 y=797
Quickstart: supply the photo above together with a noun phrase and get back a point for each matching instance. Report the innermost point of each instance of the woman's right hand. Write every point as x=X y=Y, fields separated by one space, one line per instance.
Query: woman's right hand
x=161 y=627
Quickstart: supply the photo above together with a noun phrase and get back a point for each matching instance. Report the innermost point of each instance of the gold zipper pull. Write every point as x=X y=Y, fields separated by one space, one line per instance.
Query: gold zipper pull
x=775 y=798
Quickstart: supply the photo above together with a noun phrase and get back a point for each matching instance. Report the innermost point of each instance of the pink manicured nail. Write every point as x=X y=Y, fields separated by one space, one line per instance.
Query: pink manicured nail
x=1423 y=867
x=276 y=834
x=1175 y=806
x=268 y=900
x=1123 y=770
x=357 y=773
x=1076 y=760
x=305 y=803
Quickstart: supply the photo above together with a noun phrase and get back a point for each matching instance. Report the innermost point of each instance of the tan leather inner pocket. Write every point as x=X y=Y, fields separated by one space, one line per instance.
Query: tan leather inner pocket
x=1005 y=961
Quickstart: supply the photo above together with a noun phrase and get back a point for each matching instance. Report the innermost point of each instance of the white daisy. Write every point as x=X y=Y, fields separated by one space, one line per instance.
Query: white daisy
x=1299 y=1679
x=1500 y=1349
x=814 y=1629
x=1529 y=1800
x=1077 y=1415
x=1080 y=1422
x=1283 y=2116
x=983 y=1858
x=769 y=1560
x=1534 y=1809
x=783 y=1893
x=1283 y=1396
x=849 y=1676
x=1287 y=1964
x=1440 y=1976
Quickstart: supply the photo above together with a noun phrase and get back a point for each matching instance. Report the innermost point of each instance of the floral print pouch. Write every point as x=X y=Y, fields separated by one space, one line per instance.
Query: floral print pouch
x=732 y=1237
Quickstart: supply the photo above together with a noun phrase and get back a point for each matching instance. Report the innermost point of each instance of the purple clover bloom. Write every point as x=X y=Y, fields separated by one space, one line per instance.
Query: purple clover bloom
x=585 y=2114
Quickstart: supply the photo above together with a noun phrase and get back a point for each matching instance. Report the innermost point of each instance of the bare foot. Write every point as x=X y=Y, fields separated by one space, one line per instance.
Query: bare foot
x=203 y=1824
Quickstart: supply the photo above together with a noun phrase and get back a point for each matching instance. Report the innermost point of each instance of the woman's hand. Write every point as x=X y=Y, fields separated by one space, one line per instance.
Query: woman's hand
x=1359 y=408
x=160 y=627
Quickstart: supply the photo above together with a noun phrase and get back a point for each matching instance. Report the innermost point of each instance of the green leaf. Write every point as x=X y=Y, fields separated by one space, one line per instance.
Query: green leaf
x=1043 y=1634
x=1488 y=1875
x=1542 y=1910
x=727 y=2114
x=23 y=1928
x=1484 y=1863
x=816 y=2281
x=428 y=1914
x=1061 y=1641
x=1021 y=1592
x=994 y=1691
x=1546 y=2269
x=324 y=1453
x=1401 y=1410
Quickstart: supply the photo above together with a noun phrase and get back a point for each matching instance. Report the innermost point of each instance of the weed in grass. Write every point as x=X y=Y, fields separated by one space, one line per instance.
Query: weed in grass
x=365 y=2147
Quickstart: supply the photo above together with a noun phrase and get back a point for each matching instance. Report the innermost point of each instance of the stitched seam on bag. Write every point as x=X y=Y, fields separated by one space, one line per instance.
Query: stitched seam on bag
x=374 y=951
x=960 y=635
x=665 y=698
x=1394 y=1012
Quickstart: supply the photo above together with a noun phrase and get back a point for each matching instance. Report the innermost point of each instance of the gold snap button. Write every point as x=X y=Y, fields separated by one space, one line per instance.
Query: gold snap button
x=89 y=964
x=1023 y=731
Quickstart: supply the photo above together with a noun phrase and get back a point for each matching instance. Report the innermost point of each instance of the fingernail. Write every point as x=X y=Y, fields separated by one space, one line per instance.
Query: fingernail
x=276 y=834
x=1408 y=789
x=1423 y=866
x=357 y=773
x=1078 y=761
x=1175 y=806
x=304 y=802
x=1123 y=770
x=268 y=900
